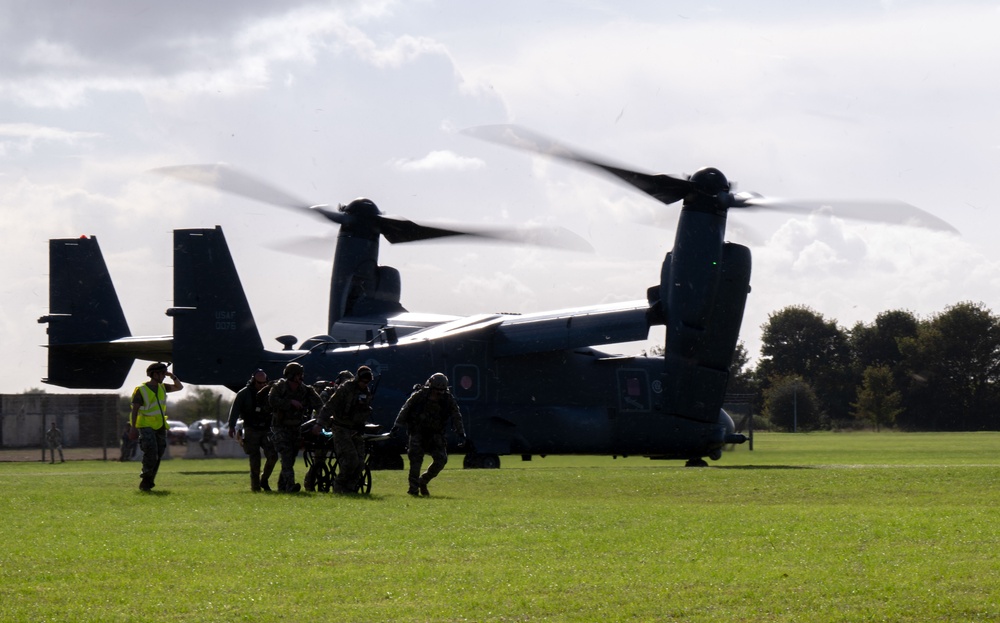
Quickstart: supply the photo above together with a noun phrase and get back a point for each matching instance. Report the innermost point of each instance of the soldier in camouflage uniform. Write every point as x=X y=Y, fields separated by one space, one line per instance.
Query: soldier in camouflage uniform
x=53 y=439
x=291 y=401
x=348 y=410
x=252 y=406
x=323 y=422
x=426 y=413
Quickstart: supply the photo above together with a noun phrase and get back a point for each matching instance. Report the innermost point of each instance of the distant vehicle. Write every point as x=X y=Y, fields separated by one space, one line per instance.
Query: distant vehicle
x=177 y=432
x=196 y=429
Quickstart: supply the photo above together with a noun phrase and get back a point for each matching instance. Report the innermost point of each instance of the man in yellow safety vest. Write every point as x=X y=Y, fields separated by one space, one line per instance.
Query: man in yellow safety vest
x=149 y=420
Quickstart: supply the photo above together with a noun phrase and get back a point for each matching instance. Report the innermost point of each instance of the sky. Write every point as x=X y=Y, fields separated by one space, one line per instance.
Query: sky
x=335 y=100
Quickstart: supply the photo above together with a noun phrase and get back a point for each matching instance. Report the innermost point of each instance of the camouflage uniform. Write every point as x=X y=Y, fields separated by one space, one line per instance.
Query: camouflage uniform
x=425 y=419
x=152 y=441
x=323 y=421
x=348 y=409
x=53 y=439
x=252 y=406
x=286 y=420
x=129 y=445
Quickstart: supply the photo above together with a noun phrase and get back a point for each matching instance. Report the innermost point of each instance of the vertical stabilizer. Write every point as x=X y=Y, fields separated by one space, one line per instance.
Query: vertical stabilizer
x=84 y=317
x=216 y=341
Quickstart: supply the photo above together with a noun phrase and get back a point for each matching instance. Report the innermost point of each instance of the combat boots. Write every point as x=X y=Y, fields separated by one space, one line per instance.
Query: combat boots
x=254 y=481
x=268 y=468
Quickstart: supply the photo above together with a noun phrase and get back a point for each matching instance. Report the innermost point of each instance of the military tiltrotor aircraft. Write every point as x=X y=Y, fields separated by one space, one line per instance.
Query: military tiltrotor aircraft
x=530 y=384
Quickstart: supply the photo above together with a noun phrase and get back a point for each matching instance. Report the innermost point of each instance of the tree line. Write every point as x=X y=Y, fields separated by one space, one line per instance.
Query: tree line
x=936 y=374
x=196 y=403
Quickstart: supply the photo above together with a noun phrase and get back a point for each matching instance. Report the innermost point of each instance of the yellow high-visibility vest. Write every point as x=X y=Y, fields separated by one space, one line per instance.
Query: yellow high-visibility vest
x=153 y=412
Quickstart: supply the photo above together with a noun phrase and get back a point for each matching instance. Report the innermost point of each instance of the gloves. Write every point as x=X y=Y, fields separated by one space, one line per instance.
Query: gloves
x=461 y=441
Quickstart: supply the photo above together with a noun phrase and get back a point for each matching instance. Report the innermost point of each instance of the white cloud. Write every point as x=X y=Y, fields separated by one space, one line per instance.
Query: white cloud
x=498 y=286
x=439 y=160
x=323 y=98
x=44 y=53
x=22 y=137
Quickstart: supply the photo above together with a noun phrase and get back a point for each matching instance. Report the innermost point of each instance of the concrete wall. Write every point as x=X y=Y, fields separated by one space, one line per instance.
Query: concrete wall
x=86 y=420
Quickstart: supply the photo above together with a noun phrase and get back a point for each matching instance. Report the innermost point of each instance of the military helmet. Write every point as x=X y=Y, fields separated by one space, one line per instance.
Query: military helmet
x=364 y=372
x=155 y=367
x=437 y=381
x=345 y=375
x=292 y=369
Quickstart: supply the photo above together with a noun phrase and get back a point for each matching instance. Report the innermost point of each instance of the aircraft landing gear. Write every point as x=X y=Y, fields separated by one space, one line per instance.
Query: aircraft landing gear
x=481 y=461
x=698 y=462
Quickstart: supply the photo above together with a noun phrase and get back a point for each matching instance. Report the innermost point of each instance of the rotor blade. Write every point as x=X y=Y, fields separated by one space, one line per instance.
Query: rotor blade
x=396 y=230
x=878 y=211
x=236 y=182
x=661 y=187
x=536 y=235
x=322 y=247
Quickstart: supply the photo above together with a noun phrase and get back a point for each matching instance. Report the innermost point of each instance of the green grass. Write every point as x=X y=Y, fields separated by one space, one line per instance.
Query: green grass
x=814 y=527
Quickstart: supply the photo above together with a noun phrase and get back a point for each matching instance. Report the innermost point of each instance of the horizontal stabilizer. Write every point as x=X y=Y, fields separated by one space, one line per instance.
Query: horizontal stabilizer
x=76 y=367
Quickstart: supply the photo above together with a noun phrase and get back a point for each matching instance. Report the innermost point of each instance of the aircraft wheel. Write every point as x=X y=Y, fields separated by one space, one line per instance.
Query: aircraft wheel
x=481 y=461
x=699 y=462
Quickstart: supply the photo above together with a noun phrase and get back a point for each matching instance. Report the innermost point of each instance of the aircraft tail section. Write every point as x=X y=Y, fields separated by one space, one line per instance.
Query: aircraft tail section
x=216 y=341
x=85 y=319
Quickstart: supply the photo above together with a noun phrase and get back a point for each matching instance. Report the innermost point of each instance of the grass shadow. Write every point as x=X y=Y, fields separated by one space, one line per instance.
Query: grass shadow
x=215 y=472
x=763 y=467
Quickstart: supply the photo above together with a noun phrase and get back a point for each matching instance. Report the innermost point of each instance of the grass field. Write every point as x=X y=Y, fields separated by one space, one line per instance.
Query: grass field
x=809 y=527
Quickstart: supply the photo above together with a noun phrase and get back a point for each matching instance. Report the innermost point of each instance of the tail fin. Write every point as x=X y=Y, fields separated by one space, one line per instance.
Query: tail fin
x=216 y=341
x=85 y=317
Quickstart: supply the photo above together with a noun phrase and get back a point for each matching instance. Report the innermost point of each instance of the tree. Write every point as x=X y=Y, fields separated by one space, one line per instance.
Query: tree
x=878 y=399
x=790 y=404
x=741 y=378
x=954 y=368
x=194 y=403
x=878 y=344
x=799 y=341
